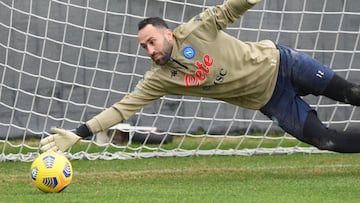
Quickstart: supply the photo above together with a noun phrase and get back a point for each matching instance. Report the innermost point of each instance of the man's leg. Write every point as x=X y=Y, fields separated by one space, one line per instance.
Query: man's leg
x=318 y=135
x=341 y=90
x=308 y=76
x=315 y=133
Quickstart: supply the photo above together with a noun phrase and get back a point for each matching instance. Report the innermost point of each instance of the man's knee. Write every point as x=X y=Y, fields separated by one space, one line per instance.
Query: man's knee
x=324 y=143
x=342 y=90
x=318 y=135
x=352 y=95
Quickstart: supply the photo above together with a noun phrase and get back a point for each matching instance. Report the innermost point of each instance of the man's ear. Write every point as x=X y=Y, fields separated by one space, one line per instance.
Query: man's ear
x=169 y=34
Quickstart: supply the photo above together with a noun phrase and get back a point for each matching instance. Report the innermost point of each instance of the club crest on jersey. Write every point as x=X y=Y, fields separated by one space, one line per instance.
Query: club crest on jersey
x=189 y=52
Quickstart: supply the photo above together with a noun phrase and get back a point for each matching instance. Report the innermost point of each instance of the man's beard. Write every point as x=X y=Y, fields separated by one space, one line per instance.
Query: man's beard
x=166 y=54
x=163 y=60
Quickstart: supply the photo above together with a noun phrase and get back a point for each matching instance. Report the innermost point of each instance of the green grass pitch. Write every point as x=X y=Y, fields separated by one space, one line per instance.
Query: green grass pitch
x=277 y=178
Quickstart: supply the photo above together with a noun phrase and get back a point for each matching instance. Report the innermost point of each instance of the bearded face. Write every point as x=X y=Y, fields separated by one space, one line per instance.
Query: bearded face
x=157 y=42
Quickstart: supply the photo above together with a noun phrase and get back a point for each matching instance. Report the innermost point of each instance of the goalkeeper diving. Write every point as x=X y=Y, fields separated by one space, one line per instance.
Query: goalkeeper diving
x=199 y=59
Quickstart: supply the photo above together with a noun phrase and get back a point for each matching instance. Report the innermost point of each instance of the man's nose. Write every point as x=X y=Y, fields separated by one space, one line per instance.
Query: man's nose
x=150 y=50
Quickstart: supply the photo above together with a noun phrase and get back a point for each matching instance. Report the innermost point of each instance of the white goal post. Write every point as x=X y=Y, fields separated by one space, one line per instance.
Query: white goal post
x=64 y=61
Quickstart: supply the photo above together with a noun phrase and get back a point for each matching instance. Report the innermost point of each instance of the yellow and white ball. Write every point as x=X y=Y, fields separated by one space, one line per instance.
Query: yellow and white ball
x=51 y=172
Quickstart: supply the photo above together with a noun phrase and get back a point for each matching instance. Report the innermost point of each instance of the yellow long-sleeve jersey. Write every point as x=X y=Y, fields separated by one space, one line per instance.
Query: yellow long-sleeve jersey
x=205 y=62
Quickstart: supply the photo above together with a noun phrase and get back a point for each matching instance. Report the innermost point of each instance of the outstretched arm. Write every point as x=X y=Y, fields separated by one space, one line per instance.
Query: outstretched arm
x=117 y=113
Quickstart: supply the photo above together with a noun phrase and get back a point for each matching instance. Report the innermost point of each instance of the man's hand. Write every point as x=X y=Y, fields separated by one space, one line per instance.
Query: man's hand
x=60 y=141
x=253 y=1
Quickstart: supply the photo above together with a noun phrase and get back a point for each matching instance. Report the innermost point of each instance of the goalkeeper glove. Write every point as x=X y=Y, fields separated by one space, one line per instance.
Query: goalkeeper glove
x=60 y=141
x=253 y=1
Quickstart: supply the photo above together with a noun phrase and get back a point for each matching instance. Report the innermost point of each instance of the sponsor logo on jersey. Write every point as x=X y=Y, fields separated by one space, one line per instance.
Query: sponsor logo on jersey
x=201 y=73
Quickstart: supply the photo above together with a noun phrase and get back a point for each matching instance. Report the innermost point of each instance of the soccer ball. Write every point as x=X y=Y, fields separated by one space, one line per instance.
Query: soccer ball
x=51 y=172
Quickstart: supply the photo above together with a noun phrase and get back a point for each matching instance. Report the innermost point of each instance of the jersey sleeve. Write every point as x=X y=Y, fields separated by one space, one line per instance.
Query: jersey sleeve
x=207 y=24
x=227 y=13
x=146 y=92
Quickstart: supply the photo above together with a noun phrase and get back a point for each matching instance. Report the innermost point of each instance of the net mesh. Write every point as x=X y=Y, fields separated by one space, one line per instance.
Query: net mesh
x=62 y=62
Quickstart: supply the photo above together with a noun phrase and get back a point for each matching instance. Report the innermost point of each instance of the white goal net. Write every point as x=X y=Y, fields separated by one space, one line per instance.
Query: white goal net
x=64 y=61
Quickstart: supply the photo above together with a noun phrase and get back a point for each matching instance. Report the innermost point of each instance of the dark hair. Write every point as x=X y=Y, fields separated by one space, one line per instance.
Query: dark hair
x=155 y=21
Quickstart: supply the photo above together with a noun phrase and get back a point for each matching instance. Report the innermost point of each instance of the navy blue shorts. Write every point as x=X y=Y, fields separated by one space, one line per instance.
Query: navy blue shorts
x=299 y=75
